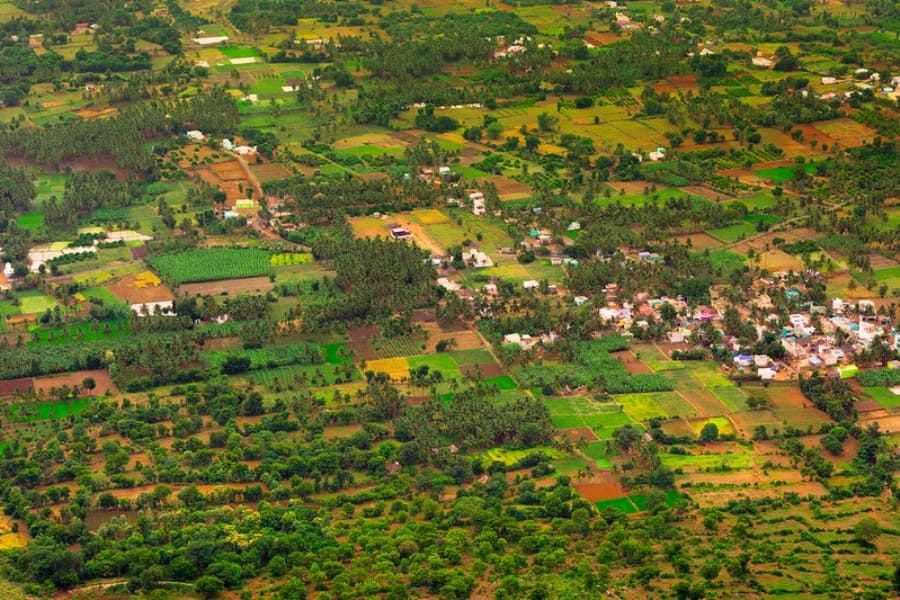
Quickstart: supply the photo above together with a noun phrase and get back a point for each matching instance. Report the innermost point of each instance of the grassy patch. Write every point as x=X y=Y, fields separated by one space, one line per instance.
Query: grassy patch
x=42 y=411
x=623 y=504
x=442 y=363
x=472 y=357
x=32 y=301
x=567 y=421
x=333 y=354
x=883 y=396
x=641 y=407
x=510 y=457
x=503 y=382
x=30 y=220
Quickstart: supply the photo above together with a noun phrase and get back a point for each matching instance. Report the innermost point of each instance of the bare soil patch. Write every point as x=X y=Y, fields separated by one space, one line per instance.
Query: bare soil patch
x=579 y=434
x=270 y=171
x=344 y=431
x=11 y=386
x=680 y=83
x=706 y=192
x=606 y=490
x=95 y=113
x=258 y=285
x=509 y=189
x=127 y=291
x=465 y=340
x=363 y=332
x=631 y=362
x=487 y=370
x=101 y=377
x=700 y=241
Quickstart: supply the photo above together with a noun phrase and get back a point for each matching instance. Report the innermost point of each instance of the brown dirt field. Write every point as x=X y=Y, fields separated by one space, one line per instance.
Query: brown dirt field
x=758 y=242
x=846 y=131
x=509 y=189
x=140 y=252
x=810 y=133
x=270 y=171
x=706 y=192
x=101 y=377
x=781 y=397
x=680 y=83
x=487 y=370
x=424 y=315
x=344 y=431
x=205 y=488
x=362 y=332
x=362 y=350
x=601 y=38
x=700 y=241
x=630 y=187
x=126 y=291
x=631 y=362
x=385 y=140
x=465 y=340
x=889 y=424
x=719 y=497
x=593 y=492
x=11 y=386
x=579 y=434
x=232 y=286
x=878 y=261
x=93 y=113
x=678 y=427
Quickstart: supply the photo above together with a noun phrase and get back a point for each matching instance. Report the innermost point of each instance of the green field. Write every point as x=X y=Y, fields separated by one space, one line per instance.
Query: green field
x=443 y=363
x=79 y=332
x=472 y=357
x=510 y=457
x=239 y=52
x=42 y=411
x=783 y=174
x=503 y=382
x=623 y=504
x=883 y=396
x=31 y=302
x=213 y=264
x=30 y=220
x=641 y=407
x=333 y=354
x=294 y=258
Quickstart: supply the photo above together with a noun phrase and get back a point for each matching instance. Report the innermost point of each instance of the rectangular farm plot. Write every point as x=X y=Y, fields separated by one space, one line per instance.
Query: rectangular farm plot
x=732 y=397
x=43 y=411
x=510 y=457
x=32 y=302
x=395 y=368
x=567 y=421
x=723 y=424
x=641 y=407
x=211 y=264
x=884 y=396
x=674 y=404
x=477 y=356
x=441 y=363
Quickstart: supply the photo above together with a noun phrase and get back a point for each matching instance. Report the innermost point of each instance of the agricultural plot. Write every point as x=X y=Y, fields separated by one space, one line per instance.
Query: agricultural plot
x=395 y=368
x=396 y=347
x=510 y=457
x=442 y=363
x=503 y=382
x=32 y=302
x=211 y=264
x=43 y=411
x=290 y=377
x=477 y=356
x=294 y=258
x=31 y=221
x=79 y=332
x=884 y=396
x=641 y=407
x=722 y=423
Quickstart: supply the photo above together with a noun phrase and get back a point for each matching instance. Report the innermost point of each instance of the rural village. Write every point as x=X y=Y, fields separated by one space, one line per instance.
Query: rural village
x=314 y=299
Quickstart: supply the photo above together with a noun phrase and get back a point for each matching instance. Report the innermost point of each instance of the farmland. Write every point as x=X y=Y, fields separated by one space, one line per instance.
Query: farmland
x=211 y=264
x=598 y=362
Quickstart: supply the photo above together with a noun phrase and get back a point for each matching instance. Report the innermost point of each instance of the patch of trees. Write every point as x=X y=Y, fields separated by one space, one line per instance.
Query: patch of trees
x=85 y=192
x=16 y=190
x=124 y=135
x=383 y=280
x=833 y=396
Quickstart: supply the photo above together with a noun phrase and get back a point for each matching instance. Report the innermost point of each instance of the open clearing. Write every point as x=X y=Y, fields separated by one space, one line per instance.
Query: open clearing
x=258 y=285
